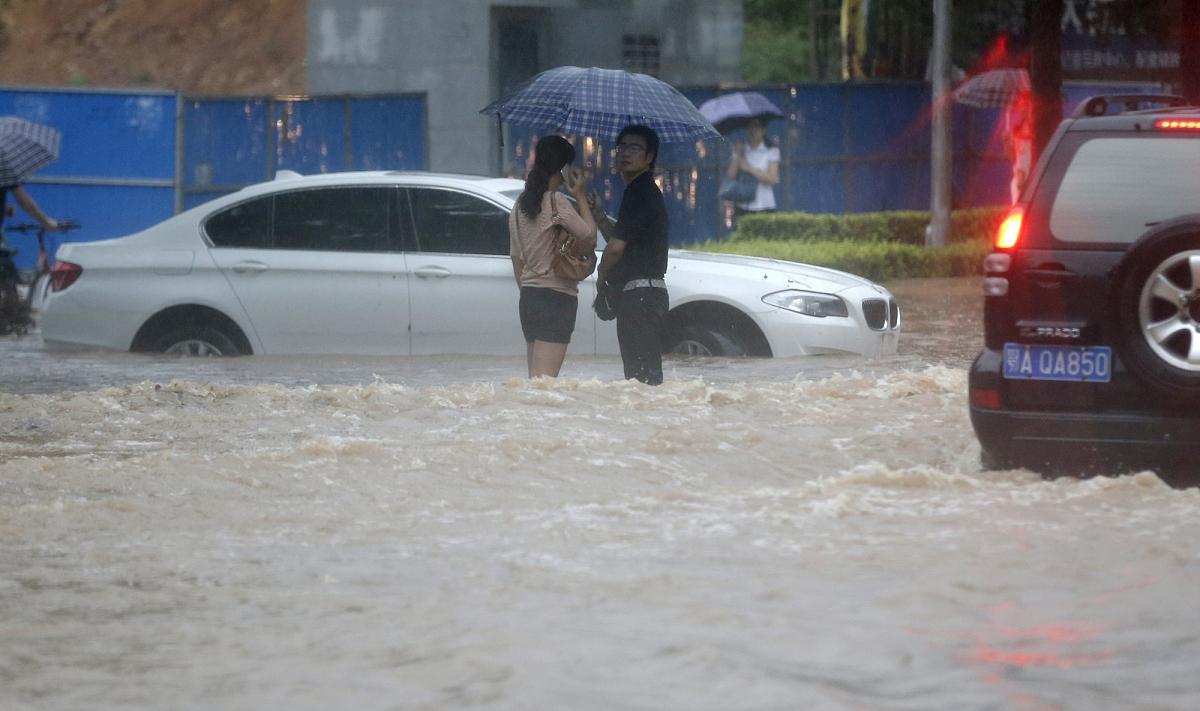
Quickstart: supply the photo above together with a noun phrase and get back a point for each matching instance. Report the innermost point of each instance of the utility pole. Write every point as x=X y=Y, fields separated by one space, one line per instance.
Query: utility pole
x=942 y=160
x=1045 y=70
x=1189 y=50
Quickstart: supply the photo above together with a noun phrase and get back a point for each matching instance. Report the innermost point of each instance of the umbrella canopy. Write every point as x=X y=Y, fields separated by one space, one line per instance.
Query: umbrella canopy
x=600 y=102
x=24 y=147
x=732 y=111
x=992 y=89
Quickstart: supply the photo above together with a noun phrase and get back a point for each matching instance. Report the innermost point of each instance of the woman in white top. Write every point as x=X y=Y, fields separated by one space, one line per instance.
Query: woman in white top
x=548 y=302
x=760 y=159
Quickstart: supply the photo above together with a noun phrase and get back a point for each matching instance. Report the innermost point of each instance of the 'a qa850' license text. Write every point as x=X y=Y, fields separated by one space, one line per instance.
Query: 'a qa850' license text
x=1092 y=364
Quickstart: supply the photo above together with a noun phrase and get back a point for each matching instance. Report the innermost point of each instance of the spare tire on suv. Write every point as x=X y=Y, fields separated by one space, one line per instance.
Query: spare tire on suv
x=1154 y=308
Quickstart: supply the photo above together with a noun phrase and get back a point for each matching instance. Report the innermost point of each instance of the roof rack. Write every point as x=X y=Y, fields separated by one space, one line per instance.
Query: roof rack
x=1099 y=105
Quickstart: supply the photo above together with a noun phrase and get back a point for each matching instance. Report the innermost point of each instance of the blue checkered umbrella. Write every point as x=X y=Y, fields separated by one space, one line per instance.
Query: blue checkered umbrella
x=732 y=111
x=600 y=102
x=24 y=147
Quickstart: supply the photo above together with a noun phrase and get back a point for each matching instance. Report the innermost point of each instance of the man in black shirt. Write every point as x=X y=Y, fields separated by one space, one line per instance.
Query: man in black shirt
x=635 y=258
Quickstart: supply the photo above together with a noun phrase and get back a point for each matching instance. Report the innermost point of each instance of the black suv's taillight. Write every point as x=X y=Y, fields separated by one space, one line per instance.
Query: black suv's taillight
x=997 y=314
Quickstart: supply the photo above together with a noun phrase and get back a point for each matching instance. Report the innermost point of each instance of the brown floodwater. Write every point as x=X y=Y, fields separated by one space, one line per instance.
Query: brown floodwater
x=811 y=533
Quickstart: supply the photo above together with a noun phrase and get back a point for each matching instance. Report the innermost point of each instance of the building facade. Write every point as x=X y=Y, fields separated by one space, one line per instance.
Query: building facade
x=463 y=54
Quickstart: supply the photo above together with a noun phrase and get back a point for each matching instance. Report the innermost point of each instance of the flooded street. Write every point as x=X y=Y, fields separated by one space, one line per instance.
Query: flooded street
x=440 y=533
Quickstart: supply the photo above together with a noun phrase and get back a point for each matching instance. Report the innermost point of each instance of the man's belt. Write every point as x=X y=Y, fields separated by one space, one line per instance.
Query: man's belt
x=644 y=284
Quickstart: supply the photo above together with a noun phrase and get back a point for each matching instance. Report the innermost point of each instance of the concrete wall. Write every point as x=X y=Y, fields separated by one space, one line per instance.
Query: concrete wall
x=450 y=49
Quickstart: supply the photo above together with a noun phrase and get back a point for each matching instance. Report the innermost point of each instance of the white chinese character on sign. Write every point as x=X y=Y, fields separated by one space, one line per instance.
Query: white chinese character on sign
x=1071 y=18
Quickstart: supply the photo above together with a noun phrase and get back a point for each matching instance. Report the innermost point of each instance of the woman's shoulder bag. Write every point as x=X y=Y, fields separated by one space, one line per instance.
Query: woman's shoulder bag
x=567 y=262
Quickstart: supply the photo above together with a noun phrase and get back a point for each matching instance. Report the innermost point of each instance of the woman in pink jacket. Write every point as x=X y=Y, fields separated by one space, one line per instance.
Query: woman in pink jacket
x=548 y=302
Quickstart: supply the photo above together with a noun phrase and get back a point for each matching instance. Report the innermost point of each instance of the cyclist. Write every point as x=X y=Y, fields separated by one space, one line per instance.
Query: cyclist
x=10 y=313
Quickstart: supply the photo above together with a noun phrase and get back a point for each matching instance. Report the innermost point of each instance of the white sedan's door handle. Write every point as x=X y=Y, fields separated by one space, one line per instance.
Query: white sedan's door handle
x=436 y=272
x=250 y=268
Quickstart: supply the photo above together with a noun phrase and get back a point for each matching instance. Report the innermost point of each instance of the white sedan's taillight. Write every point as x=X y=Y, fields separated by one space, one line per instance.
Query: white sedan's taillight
x=64 y=274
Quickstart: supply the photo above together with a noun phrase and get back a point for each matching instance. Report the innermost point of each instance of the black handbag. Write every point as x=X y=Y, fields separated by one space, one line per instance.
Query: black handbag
x=742 y=189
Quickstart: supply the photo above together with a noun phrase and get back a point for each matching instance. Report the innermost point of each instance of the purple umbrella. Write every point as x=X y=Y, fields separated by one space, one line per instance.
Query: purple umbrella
x=732 y=111
x=600 y=102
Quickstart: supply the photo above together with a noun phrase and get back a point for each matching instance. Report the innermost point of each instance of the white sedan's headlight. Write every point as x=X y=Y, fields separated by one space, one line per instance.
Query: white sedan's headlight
x=809 y=303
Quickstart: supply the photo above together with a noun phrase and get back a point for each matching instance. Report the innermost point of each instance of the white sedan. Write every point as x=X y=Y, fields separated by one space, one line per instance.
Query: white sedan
x=391 y=263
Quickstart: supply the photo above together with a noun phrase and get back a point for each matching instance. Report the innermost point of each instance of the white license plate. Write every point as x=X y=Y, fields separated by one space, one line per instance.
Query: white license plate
x=1085 y=364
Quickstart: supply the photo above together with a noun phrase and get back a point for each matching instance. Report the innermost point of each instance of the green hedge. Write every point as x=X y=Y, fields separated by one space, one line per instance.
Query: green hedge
x=874 y=260
x=903 y=226
x=876 y=245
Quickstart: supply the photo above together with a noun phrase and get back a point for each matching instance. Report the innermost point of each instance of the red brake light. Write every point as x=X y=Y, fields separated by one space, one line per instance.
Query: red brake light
x=64 y=274
x=985 y=398
x=1178 y=124
x=1010 y=229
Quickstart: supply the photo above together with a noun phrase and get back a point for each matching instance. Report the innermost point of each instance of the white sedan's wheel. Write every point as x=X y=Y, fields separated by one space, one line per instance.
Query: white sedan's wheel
x=194 y=348
x=197 y=341
x=701 y=341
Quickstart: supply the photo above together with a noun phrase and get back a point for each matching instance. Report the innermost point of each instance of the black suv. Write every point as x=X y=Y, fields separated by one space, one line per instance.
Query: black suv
x=1091 y=357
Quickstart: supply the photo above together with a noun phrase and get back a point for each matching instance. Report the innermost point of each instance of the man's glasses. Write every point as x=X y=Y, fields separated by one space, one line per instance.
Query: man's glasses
x=630 y=148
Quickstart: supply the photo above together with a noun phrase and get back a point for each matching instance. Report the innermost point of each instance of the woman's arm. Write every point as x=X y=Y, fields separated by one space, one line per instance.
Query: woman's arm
x=772 y=174
x=581 y=224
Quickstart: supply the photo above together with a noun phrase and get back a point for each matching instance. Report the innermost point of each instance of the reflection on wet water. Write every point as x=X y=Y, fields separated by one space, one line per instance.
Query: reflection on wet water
x=431 y=534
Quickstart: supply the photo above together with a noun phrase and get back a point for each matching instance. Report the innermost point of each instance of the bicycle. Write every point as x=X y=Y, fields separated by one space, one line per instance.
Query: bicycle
x=17 y=312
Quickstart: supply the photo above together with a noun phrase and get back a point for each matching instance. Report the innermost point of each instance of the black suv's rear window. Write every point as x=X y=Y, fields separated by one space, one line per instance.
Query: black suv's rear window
x=1116 y=187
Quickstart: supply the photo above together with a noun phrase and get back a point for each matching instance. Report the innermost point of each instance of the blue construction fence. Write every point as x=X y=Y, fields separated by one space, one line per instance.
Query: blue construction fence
x=130 y=159
x=845 y=148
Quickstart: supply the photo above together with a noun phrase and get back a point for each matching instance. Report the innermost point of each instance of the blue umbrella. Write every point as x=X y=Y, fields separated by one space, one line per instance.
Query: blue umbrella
x=24 y=147
x=731 y=111
x=600 y=102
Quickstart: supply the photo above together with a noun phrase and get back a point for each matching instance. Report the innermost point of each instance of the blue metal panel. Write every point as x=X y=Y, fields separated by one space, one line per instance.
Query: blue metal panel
x=226 y=142
x=388 y=133
x=309 y=135
x=236 y=142
x=887 y=119
x=814 y=187
x=898 y=183
x=104 y=134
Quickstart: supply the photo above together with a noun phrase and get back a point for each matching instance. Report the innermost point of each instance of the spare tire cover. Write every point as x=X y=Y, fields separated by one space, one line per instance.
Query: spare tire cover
x=1154 y=309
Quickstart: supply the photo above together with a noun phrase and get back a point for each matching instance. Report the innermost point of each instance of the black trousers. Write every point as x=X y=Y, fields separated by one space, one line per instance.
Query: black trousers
x=641 y=322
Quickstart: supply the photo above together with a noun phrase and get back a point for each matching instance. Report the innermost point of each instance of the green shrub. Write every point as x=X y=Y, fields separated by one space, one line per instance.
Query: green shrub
x=903 y=226
x=877 y=260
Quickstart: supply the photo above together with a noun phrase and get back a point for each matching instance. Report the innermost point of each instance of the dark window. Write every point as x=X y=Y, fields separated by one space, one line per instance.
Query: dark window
x=332 y=220
x=1117 y=188
x=457 y=223
x=247 y=224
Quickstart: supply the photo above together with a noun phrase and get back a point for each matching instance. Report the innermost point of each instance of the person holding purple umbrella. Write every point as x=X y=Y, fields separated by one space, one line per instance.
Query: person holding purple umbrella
x=760 y=158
